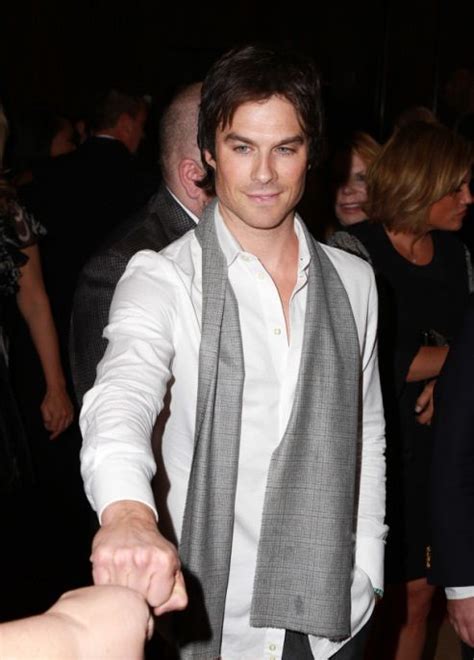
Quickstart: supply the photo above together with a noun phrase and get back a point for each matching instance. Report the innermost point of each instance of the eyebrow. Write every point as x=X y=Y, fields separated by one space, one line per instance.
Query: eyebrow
x=235 y=137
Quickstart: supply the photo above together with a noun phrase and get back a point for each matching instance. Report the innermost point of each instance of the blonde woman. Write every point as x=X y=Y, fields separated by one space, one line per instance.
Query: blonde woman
x=418 y=194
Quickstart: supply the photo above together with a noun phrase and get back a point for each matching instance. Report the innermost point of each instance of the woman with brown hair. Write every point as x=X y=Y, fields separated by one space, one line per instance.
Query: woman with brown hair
x=418 y=193
x=349 y=166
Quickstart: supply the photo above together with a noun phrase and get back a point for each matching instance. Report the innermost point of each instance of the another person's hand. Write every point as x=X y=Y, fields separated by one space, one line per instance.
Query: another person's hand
x=57 y=411
x=110 y=623
x=461 y=616
x=424 y=407
x=129 y=550
x=105 y=622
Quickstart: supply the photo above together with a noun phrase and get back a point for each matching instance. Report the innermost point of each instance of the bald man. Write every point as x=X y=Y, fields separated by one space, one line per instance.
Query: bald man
x=171 y=212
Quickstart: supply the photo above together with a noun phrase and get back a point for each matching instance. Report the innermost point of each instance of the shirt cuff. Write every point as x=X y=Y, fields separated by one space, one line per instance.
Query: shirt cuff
x=455 y=593
x=369 y=557
x=114 y=483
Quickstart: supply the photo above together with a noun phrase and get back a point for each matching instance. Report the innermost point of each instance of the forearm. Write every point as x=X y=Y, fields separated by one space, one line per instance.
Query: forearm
x=38 y=637
x=427 y=363
x=38 y=317
x=34 y=306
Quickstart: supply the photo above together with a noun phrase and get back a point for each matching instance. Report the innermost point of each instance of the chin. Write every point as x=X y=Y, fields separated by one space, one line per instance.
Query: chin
x=346 y=221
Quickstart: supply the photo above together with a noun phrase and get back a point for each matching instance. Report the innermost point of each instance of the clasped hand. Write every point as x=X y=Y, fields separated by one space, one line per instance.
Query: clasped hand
x=129 y=550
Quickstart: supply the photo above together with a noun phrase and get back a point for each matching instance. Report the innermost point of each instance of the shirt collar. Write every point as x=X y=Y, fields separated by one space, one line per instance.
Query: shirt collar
x=232 y=249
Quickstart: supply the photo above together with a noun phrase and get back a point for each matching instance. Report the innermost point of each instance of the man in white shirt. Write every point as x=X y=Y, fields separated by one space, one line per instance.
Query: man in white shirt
x=263 y=344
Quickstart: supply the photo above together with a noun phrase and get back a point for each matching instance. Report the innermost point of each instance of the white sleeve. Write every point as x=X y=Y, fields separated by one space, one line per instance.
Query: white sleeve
x=456 y=593
x=371 y=530
x=119 y=412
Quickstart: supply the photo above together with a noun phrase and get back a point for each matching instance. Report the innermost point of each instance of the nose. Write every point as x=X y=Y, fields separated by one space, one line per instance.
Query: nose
x=467 y=195
x=263 y=170
x=347 y=188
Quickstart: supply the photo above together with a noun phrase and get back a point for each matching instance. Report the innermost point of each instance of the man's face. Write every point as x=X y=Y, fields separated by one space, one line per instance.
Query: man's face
x=136 y=130
x=260 y=164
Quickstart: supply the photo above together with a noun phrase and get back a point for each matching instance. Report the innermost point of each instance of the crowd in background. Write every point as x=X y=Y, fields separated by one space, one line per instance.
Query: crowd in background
x=67 y=186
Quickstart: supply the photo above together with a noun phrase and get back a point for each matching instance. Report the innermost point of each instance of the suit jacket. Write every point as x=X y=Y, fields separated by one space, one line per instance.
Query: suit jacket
x=80 y=198
x=162 y=221
x=452 y=477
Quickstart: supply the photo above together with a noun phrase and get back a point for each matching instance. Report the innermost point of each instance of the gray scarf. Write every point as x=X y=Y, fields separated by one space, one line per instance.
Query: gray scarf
x=305 y=551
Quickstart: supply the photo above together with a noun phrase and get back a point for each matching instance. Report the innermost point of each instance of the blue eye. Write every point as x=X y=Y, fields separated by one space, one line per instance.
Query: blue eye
x=285 y=150
x=242 y=149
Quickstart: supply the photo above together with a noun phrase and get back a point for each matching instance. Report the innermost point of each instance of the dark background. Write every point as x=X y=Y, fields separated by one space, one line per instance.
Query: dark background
x=376 y=57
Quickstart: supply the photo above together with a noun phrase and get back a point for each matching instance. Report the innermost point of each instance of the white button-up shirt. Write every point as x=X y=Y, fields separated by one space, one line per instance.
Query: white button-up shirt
x=154 y=337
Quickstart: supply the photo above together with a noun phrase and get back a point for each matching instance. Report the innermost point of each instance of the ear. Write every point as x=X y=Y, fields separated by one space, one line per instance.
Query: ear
x=210 y=160
x=190 y=172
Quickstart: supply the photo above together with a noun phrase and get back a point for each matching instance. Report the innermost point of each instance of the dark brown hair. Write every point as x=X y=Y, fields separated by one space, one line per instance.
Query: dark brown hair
x=110 y=105
x=254 y=73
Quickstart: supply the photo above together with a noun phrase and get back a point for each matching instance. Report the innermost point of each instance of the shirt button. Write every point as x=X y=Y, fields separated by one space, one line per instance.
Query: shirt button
x=272 y=647
x=246 y=257
x=277 y=331
x=261 y=276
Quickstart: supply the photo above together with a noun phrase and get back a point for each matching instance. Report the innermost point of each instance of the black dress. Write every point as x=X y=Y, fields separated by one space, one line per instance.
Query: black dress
x=17 y=231
x=415 y=302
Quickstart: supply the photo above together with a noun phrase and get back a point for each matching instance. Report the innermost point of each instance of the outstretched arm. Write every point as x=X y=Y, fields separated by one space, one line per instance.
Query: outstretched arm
x=33 y=302
x=117 y=421
x=95 y=622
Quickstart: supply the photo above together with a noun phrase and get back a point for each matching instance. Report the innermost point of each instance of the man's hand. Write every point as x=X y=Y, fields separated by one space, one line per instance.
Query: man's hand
x=424 y=404
x=461 y=616
x=128 y=550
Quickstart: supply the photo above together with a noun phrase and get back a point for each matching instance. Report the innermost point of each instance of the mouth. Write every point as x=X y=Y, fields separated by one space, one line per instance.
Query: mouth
x=263 y=198
x=350 y=207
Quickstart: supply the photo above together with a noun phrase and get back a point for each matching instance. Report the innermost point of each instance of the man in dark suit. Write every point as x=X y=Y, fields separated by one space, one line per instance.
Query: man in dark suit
x=172 y=211
x=81 y=196
x=452 y=490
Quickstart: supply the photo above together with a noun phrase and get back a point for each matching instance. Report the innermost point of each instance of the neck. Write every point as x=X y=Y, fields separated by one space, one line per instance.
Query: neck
x=417 y=248
x=273 y=246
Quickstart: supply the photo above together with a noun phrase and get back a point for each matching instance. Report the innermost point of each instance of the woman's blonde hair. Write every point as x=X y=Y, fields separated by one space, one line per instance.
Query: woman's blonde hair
x=420 y=164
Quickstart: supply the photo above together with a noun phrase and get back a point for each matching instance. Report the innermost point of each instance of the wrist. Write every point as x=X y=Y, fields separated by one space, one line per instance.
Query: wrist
x=56 y=385
x=126 y=510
